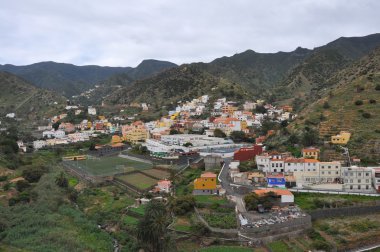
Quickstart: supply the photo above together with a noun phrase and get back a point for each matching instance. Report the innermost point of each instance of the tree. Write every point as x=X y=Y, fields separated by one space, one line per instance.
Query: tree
x=310 y=137
x=61 y=180
x=260 y=109
x=152 y=228
x=183 y=204
x=358 y=102
x=219 y=133
x=188 y=144
x=92 y=146
x=55 y=125
x=237 y=136
x=326 y=105
x=21 y=185
x=174 y=132
x=33 y=173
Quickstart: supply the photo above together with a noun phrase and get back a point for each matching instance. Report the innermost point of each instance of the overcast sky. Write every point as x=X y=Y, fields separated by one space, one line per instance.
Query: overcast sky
x=123 y=33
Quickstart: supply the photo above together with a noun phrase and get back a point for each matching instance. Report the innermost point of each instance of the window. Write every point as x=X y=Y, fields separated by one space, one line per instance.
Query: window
x=367 y=180
x=367 y=174
x=359 y=180
x=323 y=172
x=367 y=187
x=359 y=174
x=329 y=166
x=351 y=181
x=329 y=173
x=351 y=187
x=359 y=187
x=336 y=172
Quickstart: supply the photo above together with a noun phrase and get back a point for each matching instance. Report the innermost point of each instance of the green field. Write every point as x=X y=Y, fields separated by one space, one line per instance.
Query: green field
x=138 y=180
x=210 y=199
x=157 y=173
x=106 y=166
x=129 y=220
x=311 y=201
x=226 y=249
x=139 y=210
x=279 y=246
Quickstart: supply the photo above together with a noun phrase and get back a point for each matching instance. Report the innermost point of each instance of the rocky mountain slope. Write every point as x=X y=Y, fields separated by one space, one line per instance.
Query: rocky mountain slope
x=350 y=102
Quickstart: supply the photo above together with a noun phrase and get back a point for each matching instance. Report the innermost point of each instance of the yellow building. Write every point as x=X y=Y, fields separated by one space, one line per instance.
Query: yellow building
x=310 y=152
x=116 y=139
x=342 y=138
x=206 y=184
x=229 y=109
x=135 y=132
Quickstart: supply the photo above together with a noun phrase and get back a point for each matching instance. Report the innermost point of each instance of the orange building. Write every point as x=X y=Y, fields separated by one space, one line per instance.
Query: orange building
x=206 y=184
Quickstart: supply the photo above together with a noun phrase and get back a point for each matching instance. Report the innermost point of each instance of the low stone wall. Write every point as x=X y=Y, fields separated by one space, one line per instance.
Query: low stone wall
x=269 y=233
x=345 y=211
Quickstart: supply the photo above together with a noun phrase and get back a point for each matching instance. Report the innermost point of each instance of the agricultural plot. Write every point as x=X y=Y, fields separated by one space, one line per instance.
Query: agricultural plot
x=107 y=166
x=138 y=180
x=157 y=173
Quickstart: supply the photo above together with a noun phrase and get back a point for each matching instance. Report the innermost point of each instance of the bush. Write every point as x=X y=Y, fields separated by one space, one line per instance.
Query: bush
x=326 y=105
x=366 y=115
x=3 y=178
x=377 y=87
x=182 y=204
x=358 y=102
x=33 y=173
x=321 y=245
x=21 y=185
x=372 y=101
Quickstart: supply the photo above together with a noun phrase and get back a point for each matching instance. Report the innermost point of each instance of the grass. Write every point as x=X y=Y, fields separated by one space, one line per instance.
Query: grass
x=110 y=165
x=139 y=210
x=226 y=249
x=221 y=220
x=138 y=180
x=73 y=181
x=308 y=201
x=105 y=203
x=182 y=224
x=210 y=199
x=157 y=173
x=129 y=220
x=279 y=246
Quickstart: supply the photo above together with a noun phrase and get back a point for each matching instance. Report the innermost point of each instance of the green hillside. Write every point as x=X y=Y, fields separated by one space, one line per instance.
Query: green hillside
x=25 y=100
x=68 y=79
x=351 y=103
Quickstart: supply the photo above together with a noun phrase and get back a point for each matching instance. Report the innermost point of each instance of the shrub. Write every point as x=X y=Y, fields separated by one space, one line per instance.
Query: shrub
x=21 y=185
x=358 y=102
x=321 y=245
x=372 y=101
x=326 y=105
x=377 y=87
x=33 y=173
x=366 y=115
x=183 y=204
x=3 y=178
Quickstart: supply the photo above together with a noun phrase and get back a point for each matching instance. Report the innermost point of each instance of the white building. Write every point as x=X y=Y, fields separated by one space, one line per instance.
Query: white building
x=357 y=179
x=52 y=133
x=376 y=178
x=91 y=111
x=39 y=144
x=10 y=115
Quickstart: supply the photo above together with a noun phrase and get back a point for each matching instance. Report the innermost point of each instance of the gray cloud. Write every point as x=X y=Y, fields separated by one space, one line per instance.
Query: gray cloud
x=122 y=33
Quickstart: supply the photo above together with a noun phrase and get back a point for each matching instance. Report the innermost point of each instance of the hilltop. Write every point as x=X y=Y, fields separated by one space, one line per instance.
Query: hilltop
x=279 y=77
x=69 y=79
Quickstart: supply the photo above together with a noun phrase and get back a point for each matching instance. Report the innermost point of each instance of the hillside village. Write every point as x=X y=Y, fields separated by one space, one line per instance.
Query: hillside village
x=222 y=144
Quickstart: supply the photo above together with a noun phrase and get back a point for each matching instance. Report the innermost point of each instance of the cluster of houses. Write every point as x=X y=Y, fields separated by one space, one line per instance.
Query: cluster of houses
x=309 y=172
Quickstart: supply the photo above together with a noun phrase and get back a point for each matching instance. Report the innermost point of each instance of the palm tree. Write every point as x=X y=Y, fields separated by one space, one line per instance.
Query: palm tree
x=61 y=180
x=151 y=230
